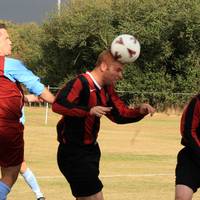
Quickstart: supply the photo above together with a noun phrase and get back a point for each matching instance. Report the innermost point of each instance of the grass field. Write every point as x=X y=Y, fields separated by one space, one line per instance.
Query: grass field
x=138 y=160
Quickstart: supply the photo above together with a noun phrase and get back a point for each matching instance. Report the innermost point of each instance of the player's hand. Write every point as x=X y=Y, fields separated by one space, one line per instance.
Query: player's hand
x=32 y=98
x=146 y=109
x=99 y=111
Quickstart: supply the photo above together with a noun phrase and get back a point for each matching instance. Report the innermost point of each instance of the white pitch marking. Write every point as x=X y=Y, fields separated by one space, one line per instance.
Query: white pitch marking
x=110 y=176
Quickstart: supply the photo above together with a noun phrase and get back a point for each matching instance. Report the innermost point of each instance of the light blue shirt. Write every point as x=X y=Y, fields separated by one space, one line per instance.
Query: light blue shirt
x=15 y=70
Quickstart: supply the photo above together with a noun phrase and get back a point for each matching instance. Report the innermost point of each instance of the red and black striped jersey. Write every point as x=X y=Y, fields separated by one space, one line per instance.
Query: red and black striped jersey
x=190 y=124
x=74 y=102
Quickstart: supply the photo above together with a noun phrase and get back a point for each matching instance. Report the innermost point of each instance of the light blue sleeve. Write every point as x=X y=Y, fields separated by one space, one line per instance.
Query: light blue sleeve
x=15 y=70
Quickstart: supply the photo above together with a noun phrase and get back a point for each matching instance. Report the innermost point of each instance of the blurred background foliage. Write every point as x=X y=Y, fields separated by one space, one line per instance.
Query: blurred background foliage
x=167 y=71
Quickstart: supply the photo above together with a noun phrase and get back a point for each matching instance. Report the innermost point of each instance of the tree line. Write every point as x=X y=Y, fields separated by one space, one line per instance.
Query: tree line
x=68 y=43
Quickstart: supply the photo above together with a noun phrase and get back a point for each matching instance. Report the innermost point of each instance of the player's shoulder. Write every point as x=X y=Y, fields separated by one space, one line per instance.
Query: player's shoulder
x=110 y=88
x=82 y=77
x=12 y=62
x=198 y=96
x=194 y=100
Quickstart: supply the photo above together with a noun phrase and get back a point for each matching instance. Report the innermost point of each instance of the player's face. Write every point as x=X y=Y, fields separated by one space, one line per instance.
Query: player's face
x=113 y=73
x=5 y=43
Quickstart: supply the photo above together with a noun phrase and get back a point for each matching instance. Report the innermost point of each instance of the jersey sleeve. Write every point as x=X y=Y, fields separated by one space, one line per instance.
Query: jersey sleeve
x=67 y=100
x=190 y=125
x=120 y=112
x=15 y=70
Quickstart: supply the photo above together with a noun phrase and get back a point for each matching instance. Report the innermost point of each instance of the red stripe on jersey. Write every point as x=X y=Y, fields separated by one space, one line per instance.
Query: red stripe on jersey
x=2 y=60
x=195 y=123
x=190 y=124
x=73 y=95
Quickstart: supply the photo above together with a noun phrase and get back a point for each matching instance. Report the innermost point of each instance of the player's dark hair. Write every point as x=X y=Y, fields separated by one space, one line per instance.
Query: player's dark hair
x=2 y=26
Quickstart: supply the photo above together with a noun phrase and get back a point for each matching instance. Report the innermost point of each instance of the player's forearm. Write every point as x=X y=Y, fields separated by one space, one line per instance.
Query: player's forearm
x=70 y=110
x=31 y=98
x=121 y=114
x=124 y=118
x=47 y=96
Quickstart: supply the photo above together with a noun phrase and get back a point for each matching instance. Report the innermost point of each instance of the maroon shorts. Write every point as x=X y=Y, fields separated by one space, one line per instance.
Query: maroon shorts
x=11 y=145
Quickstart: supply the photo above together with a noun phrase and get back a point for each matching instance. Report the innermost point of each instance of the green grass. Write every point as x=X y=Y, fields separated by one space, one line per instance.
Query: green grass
x=138 y=160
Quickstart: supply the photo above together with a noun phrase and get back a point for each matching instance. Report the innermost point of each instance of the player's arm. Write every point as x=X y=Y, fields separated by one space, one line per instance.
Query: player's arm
x=121 y=113
x=47 y=96
x=15 y=70
x=190 y=128
x=28 y=98
x=33 y=84
x=67 y=100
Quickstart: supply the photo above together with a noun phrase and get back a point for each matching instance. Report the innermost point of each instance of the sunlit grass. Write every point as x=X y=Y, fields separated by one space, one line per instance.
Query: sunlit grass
x=137 y=163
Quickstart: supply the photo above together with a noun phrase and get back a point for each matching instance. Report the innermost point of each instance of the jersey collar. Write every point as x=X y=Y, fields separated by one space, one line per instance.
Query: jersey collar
x=93 y=79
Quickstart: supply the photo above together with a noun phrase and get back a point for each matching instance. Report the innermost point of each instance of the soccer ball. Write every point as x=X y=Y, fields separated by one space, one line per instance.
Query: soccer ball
x=125 y=48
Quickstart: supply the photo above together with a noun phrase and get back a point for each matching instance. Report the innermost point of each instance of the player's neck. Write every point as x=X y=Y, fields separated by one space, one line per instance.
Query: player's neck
x=98 y=77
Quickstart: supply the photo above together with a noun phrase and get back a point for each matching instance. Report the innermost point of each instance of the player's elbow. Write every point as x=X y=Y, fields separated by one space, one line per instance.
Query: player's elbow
x=54 y=107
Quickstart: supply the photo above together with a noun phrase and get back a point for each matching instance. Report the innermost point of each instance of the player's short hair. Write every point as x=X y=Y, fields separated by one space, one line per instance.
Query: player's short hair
x=2 y=26
x=105 y=56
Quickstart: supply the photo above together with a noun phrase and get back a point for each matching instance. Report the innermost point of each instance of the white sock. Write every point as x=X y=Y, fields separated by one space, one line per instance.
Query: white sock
x=32 y=182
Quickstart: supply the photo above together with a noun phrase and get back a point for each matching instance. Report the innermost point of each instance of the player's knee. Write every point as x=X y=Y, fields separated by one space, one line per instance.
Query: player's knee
x=97 y=196
x=182 y=196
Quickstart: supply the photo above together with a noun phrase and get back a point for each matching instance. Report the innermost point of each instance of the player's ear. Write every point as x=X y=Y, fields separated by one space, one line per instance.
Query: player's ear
x=103 y=66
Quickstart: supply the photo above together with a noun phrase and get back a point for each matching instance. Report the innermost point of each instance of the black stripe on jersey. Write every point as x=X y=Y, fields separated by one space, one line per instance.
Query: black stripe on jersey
x=85 y=93
x=74 y=130
x=62 y=97
x=198 y=128
x=198 y=96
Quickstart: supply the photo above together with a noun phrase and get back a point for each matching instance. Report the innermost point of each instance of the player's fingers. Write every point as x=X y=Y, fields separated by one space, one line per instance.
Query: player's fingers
x=99 y=115
x=106 y=109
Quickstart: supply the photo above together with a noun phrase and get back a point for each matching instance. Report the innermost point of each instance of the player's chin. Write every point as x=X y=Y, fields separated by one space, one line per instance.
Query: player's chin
x=114 y=82
x=111 y=82
x=8 y=53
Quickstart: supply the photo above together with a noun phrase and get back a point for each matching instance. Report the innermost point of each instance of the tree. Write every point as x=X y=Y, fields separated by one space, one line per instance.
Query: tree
x=167 y=30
